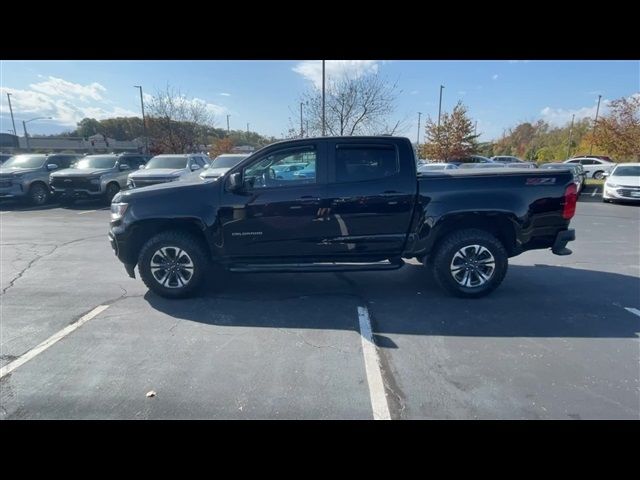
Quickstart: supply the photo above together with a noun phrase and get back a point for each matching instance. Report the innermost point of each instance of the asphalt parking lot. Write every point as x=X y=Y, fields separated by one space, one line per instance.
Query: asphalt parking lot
x=558 y=339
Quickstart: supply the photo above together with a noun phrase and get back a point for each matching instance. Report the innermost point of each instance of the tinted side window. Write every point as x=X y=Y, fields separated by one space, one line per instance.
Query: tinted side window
x=588 y=162
x=133 y=162
x=359 y=163
x=200 y=161
x=273 y=170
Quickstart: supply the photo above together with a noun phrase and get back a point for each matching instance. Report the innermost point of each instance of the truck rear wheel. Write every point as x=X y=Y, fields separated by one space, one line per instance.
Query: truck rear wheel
x=173 y=264
x=470 y=263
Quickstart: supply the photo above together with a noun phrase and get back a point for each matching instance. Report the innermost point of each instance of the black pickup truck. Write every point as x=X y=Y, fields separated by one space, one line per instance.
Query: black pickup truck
x=351 y=203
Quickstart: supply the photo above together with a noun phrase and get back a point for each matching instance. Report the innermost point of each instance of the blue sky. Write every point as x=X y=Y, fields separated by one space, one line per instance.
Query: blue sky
x=264 y=93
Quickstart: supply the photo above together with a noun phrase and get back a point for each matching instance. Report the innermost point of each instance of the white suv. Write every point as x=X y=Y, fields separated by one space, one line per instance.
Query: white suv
x=593 y=167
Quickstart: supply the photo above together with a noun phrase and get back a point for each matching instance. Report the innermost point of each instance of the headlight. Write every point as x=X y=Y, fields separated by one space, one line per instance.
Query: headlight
x=611 y=185
x=117 y=210
x=95 y=181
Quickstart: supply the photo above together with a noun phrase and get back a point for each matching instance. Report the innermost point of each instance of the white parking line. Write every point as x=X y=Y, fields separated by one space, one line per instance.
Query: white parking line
x=372 y=366
x=633 y=310
x=51 y=340
x=86 y=211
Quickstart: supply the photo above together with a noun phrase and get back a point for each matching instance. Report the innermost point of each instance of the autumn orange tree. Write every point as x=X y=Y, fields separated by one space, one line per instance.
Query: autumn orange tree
x=220 y=146
x=618 y=132
x=454 y=138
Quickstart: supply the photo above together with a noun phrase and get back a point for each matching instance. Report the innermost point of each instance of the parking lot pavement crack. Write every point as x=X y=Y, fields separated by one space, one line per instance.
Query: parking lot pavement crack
x=33 y=261
x=311 y=344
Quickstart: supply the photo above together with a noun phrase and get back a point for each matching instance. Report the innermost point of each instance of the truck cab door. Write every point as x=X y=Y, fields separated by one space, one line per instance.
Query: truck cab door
x=271 y=217
x=371 y=196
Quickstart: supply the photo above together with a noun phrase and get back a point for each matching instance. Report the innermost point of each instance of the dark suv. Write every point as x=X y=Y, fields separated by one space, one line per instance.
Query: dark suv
x=96 y=176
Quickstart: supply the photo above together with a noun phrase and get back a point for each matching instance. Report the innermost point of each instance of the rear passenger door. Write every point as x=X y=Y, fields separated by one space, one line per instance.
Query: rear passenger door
x=370 y=196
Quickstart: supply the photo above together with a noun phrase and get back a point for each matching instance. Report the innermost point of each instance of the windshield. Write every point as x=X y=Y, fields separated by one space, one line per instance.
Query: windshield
x=96 y=162
x=433 y=167
x=165 y=161
x=227 y=161
x=25 y=161
x=627 y=171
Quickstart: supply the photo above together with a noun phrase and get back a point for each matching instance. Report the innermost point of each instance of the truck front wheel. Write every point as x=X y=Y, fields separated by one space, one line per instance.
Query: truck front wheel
x=470 y=263
x=173 y=264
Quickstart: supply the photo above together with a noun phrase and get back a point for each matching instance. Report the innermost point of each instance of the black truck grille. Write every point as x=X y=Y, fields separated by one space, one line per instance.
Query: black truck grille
x=146 y=182
x=61 y=183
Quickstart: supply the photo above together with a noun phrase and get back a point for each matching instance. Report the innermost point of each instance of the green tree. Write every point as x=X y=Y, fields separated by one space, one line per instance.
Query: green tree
x=454 y=138
x=618 y=132
x=88 y=127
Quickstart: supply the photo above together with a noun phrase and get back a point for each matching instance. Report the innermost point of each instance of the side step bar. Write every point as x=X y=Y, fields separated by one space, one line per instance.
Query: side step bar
x=315 y=267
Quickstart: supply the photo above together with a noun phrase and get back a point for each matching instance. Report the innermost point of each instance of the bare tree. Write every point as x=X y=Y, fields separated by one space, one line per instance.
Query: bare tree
x=177 y=124
x=353 y=106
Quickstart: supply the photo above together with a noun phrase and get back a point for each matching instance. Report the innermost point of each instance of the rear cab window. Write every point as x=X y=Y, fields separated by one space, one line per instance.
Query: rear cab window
x=363 y=162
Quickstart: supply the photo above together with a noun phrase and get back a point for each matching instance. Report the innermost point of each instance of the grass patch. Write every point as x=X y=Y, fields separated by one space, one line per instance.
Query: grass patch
x=593 y=182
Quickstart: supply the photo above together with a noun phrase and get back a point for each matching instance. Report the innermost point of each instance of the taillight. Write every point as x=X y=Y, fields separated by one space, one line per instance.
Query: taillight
x=570 y=200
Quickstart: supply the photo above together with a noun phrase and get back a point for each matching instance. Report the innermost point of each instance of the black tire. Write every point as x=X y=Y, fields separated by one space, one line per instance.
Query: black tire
x=173 y=285
x=39 y=194
x=112 y=189
x=453 y=244
x=599 y=175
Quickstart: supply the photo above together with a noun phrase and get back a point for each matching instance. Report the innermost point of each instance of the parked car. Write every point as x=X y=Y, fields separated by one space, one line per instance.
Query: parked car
x=522 y=165
x=436 y=167
x=623 y=183
x=95 y=176
x=506 y=159
x=594 y=167
x=601 y=157
x=482 y=165
x=470 y=159
x=579 y=174
x=374 y=210
x=167 y=168
x=288 y=171
x=26 y=177
x=221 y=165
x=5 y=156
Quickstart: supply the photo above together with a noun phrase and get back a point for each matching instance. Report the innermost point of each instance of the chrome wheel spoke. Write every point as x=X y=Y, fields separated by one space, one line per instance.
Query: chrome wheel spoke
x=472 y=266
x=171 y=267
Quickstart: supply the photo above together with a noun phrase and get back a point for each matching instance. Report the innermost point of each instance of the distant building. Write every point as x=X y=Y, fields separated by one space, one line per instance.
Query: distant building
x=243 y=149
x=94 y=144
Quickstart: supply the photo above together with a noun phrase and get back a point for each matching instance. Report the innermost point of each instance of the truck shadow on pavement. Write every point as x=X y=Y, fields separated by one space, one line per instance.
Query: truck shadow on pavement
x=533 y=301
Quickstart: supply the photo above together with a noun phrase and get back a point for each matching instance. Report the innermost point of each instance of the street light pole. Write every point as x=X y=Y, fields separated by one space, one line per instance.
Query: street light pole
x=323 y=124
x=24 y=127
x=301 y=129
x=11 y=110
x=228 y=131
x=440 y=107
x=418 y=138
x=570 y=133
x=595 y=124
x=247 y=128
x=144 y=121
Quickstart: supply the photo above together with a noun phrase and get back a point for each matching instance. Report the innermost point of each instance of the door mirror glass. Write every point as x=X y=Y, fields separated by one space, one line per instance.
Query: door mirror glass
x=124 y=166
x=194 y=167
x=141 y=167
x=235 y=182
x=52 y=166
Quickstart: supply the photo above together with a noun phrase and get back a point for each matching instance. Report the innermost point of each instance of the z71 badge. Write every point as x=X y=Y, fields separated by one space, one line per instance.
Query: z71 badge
x=540 y=181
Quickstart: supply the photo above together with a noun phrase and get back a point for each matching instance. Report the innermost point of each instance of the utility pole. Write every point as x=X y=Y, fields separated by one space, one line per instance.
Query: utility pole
x=228 y=131
x=307 y=125
x=323 y=124
x=301 y=129
x=440 y=107
x=418 y=138
x=595 y=123
x=247 y=128
x=11 y=110
x=475 y=129
x=570 y=133
x=26 y=137
x=144 y=121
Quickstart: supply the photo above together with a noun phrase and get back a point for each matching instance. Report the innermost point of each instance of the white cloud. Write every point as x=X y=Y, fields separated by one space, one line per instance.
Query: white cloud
x=312 y=69
x=225 y=94
x=30 y=103
x=212 y=108
x=561 y=116
x=57 y=87
x=494 y=76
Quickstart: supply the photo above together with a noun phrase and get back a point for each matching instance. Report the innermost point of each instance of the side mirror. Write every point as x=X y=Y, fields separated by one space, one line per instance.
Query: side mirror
x=141 y=167
x=194 y=167
x=206 y=166
x=124 y=167
x=606 y=174
x=234 y=183
x=52 y=166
